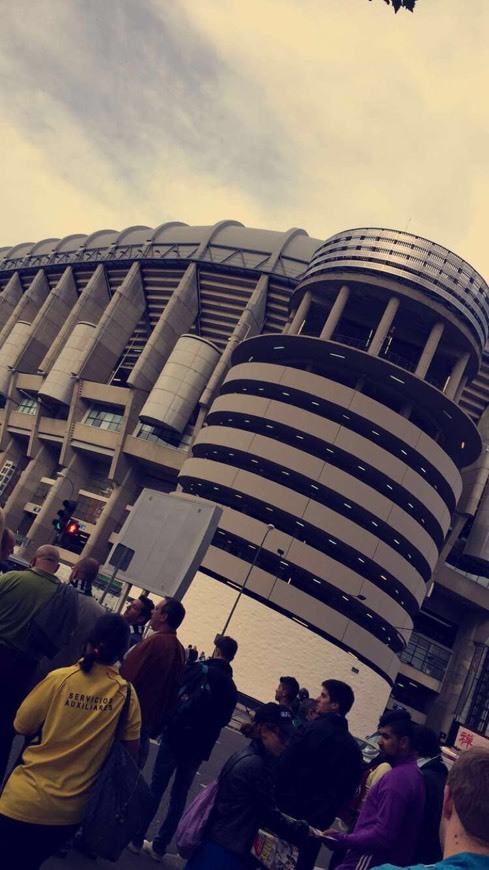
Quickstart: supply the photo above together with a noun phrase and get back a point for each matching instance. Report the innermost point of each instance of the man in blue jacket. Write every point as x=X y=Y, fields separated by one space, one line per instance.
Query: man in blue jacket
x=464 y=828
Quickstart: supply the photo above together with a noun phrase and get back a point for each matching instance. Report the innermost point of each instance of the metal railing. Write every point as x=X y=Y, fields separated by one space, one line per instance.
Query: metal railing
x=426 y=656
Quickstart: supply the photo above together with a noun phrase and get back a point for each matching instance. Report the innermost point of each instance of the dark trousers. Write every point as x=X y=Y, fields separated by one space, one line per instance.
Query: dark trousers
x=16 y=674
x=167 y=763
x=25 y=846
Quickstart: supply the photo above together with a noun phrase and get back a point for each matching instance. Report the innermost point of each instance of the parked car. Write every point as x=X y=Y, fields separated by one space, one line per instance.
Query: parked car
x=369 y=748
x=449 y=755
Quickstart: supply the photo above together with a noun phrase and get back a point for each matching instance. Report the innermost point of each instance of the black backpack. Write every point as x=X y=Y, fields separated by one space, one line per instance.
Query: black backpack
x=52 y=625
x=193 y=699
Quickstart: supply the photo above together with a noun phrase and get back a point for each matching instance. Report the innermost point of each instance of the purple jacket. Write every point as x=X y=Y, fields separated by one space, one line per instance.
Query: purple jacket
x=388 y=825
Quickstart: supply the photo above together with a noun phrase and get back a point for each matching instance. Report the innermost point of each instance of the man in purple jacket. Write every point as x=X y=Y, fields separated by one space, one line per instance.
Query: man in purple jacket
x=388 y=825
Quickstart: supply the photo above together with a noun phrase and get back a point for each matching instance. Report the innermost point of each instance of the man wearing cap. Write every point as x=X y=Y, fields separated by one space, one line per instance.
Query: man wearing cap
x=189 y=739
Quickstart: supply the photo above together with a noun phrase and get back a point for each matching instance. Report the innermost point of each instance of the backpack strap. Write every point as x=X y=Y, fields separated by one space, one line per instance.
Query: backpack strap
x=226 y=770
x=121 y=722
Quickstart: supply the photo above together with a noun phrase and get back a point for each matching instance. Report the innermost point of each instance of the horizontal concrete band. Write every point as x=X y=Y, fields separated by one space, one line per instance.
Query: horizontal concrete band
x=346 y=452
x=322 y=523
x=374 y=414
x=348 y=634
x=379 y=596
x=234 y=409
x=320 y=480
x=325 y=579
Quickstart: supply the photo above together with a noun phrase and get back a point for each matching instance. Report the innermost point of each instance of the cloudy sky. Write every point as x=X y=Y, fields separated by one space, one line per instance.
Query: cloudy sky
x=323 y=114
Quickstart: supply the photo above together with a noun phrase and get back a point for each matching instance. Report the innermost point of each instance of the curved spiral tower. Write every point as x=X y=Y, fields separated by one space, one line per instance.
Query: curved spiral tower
x=345 y=434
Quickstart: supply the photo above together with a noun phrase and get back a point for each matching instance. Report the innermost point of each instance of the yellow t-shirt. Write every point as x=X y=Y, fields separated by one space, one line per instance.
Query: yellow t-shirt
x=78 y=714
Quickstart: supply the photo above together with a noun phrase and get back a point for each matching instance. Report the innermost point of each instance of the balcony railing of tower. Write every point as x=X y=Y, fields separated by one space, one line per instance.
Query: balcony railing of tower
x=360 y=343
x=390 y=356
x=426 y=656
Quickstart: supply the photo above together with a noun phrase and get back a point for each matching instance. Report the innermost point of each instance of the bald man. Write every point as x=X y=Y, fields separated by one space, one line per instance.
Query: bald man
x=22 y=593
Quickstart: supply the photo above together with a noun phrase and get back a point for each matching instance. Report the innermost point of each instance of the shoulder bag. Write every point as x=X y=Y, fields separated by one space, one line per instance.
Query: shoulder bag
x=120 y=800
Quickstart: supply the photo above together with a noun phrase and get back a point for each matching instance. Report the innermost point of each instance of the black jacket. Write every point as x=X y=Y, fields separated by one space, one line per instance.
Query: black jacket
x=319 y=771
x=428 y=849
x=198 y=740
x=245 y=803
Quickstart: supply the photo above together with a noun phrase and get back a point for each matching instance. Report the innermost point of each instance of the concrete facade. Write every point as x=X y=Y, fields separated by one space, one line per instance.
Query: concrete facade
x=331 y=389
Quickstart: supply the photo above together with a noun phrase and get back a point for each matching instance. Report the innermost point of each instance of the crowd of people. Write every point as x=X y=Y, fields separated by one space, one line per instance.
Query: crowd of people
x=301 y=776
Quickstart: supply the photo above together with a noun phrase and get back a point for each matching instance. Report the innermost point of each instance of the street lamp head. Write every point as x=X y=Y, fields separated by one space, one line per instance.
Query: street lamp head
x=270 y=527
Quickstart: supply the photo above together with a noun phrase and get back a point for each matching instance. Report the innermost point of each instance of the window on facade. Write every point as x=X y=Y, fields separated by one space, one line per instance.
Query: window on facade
x=6 y=474
x=28 y=405
x=98 y=481
x=89 y=509
x=425 y=656
x=166 y=437
x=103 y=417
x=41 y=492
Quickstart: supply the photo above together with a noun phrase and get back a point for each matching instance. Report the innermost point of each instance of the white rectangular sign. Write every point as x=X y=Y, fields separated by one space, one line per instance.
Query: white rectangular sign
x=164 y=541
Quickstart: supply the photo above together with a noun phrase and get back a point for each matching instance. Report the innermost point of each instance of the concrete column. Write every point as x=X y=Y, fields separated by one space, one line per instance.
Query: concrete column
x=28 y=305
x=68 y=482
x=384 y=325
x=48 y=323
x=442 y=711
x=461 y=388
x=9 y=299
x=115 y=328
x=301 y=314
x=89 y=308
x=111 y=516
x=336 y=312
x=177 y=318
x=429 y=350
x=287 y=325
x=42 y=465
x=456 y=376
x=249 y=324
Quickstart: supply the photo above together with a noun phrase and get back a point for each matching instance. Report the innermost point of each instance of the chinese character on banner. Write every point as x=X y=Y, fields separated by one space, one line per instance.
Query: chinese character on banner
x=466 y=739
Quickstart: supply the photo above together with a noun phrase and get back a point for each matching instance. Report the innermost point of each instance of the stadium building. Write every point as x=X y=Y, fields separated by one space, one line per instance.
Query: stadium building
x=329 y=395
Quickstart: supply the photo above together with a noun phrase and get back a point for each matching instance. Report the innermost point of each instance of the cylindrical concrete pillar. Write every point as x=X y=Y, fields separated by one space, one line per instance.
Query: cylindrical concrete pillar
x=301 y=314
x=10 y=351
x=336 y=312
x=429 y=350
x=384 y=325
x=456 y=376
x=461 y=388
x=181 y=383
x=58 y=385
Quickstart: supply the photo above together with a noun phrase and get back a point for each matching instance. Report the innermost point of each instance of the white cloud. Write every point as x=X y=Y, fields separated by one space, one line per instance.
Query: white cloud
x=315 y=113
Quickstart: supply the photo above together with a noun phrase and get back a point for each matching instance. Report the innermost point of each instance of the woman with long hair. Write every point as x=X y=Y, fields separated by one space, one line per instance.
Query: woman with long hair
x=69 y=720
x=244 y=801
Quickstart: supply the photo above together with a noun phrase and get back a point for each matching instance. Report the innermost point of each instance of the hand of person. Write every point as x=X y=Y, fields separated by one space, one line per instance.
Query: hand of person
x=315 y=832
x=329 y=834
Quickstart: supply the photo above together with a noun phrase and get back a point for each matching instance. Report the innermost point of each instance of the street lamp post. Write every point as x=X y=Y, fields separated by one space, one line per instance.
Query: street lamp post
x=270 y=528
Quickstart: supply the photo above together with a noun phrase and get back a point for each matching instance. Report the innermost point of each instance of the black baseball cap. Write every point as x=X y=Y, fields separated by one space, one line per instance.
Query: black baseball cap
x=275 y=715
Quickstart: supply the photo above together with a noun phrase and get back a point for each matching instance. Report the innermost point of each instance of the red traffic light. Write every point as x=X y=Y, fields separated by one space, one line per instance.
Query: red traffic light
x=72 y=528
